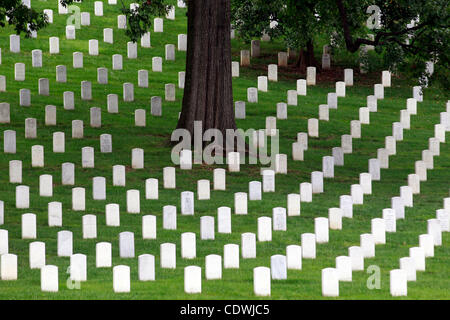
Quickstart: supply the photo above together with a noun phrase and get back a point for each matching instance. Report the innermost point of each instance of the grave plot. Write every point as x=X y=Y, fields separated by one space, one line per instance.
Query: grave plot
x=93 y=207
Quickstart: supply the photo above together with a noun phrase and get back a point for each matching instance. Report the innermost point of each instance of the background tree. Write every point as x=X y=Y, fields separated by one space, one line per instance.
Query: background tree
x=403 y=45
x=24 y=19
x=295 y=22
x=208 y=93
x=411 y=34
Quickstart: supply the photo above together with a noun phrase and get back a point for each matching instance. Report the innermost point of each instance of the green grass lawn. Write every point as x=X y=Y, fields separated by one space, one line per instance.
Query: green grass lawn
x=434 y=283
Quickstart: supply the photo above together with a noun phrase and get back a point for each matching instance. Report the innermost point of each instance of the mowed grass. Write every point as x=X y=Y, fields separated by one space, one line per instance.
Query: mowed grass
x=154 y=139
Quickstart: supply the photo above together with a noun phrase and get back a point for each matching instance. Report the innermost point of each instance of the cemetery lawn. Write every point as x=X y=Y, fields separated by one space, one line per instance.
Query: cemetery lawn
x=434 y=283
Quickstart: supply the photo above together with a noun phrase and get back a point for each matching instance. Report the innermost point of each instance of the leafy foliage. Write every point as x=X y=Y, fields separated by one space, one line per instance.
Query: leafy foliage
x=404 y=43
x=140 y=19
x=24 y=19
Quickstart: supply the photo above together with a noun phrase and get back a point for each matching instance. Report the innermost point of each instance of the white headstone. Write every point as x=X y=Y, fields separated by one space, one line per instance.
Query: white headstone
x=112 y=212
x=335 y=218
x=146 y=266
x=78 y=267
x=418 y=255
x=46 y=185
x=301 y=87
x=261 y=281
x=344 y=268
x=133 y=201
x=37 y=254
x=346 y=205
x=169 y=177
x=170 y=217
x=426 y=242
x=248 y=245
x=65 y=243
x=321 y=230
x=22 y=197
x=168 y=255
x=103 y=255
x=121 y=279
x=398 y=283
x=308 y=242
x=87 y=157
x=126 y=244
x=15 y=171
x=311 y=76
x=231 y=256
x=54 y=45
x=357 y=256
x=330 y=282
x=49 y=278
x=305 y=192
x=68 y=173
x=293 y=204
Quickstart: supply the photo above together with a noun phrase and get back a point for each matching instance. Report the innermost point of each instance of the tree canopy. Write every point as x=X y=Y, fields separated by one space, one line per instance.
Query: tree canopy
x=406 y=32
x=24 y=19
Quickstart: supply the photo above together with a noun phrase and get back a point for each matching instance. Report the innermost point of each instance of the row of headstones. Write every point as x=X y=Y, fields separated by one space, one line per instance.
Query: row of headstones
x=158 y=26
x=127 y=242
x=292 y=95
x=146 y=267
x=9 y=136
x=207 y=226
x=213 y=263
x=283 y=57
x=344 y=264
x=335 y=214
x=326 y=57
x=408 y=265
x=292 y=99
x=86 y=94
x=102 y=73
x=328 y=162
x=358 y=191
x=86 y=91
x=85 y=16
x=22 y=199
x=117 y=60
x=331 y=277
x=99 y=183
x=87 y=153
x=89 y=223
x=98 y=7
x=119 y=174
x=355 y=128
x=313 y=128
x=85 y=20
x=420 y=166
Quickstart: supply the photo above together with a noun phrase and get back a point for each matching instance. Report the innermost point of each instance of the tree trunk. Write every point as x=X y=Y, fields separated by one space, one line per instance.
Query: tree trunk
x=306 y=57
x=208 y=93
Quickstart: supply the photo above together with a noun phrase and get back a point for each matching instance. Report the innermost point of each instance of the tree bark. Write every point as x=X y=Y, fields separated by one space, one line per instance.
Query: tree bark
x=306 y=57
x=208 y=92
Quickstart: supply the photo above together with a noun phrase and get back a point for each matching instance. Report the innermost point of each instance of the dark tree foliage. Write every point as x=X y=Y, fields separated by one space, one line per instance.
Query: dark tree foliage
x=140 y=19
x=403 y=43
x=24 y=19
